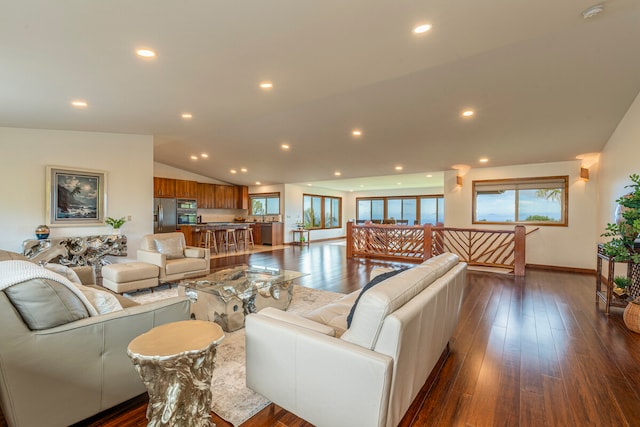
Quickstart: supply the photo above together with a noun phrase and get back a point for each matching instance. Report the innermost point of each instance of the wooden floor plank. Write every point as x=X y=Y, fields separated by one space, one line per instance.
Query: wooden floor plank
x=532 y=351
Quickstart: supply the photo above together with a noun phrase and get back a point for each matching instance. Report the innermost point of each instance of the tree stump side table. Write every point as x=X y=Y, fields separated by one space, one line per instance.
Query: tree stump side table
x=175 y=362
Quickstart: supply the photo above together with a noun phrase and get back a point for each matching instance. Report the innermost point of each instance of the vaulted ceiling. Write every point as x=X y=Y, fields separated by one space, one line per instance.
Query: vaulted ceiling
x=545 y=84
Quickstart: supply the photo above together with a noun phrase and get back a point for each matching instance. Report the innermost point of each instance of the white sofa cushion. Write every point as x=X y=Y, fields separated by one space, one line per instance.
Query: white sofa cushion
x=335 y=313
x=185 y=265
x=171 y=247
x=388 y=296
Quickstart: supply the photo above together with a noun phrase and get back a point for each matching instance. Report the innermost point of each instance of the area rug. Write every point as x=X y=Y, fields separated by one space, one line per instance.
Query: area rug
x=232 y=400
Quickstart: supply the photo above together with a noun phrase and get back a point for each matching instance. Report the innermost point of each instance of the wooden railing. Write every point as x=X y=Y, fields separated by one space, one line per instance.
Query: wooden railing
x=477 y=247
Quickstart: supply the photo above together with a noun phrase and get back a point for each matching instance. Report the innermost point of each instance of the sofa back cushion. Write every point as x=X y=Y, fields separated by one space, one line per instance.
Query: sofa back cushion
x=377 y=303
x=44 y=303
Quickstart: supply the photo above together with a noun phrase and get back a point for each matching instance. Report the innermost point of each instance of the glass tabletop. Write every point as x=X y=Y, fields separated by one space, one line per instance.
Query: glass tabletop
x=239 y=279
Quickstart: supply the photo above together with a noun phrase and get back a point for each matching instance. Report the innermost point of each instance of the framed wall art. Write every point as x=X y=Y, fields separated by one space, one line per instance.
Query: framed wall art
x=75 y=196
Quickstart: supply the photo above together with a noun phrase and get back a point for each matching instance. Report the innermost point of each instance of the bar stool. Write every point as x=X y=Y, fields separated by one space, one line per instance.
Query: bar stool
x=229 y=235
x=208 y=239
x=246 y=237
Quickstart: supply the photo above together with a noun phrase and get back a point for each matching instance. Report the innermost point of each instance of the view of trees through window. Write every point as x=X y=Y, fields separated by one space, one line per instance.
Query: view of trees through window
x=265 y=204
x=322 y=211
x=414 y=209
x=531 y=200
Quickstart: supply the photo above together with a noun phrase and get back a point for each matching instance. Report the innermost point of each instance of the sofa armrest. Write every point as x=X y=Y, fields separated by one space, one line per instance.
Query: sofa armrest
x=325 y=380
x=294 y=319
x=195 y=252
x=155 y=258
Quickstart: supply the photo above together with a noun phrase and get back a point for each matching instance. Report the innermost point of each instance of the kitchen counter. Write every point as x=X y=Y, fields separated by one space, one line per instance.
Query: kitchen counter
x=261 y=233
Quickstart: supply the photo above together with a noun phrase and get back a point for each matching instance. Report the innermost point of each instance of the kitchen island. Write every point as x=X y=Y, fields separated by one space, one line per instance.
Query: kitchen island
x=264 y=233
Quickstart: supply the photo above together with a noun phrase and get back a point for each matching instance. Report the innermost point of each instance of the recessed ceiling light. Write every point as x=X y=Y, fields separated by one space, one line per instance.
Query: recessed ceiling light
x=258 y=183
x=356 y=132
x=361 y=185
x=146 y=53
x=467 y=113
x=244 y=170
x=79 y=104
x=483 y=160
x=429 y=176
x=399 y=168
x=421 y=29
x=592 y=11
x=194 y=157
x=285 y=146
x=233 y=171
x=309 y=185
x=398 y=183
x=204 y=155
x=187 y=115
x=266 y=85
x=337 y=173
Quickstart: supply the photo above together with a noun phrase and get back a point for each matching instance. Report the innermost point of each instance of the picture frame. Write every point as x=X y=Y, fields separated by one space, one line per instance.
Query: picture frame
x=75 y=197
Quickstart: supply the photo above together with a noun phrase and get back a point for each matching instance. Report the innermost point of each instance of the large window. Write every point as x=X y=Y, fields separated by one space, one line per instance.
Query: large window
x=410 y=209
x=322 y=211
x=265 y=204
x=540 y=201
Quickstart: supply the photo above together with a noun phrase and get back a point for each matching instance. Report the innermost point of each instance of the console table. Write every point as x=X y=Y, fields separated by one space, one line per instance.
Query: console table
x=606 y=295
x=75 y=251
x=302 y=239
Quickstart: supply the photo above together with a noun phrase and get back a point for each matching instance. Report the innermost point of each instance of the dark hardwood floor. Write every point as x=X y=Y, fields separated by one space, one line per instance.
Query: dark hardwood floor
x=532 y=351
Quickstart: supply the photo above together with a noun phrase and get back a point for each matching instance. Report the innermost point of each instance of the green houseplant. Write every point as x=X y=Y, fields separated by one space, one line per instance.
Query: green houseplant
x=115 y=223
x=626 y=229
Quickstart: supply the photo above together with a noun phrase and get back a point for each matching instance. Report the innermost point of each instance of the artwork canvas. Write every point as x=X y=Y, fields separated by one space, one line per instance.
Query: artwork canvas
x=75 y=196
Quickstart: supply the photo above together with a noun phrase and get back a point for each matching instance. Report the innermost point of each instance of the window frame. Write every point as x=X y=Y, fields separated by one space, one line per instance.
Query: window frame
x=323 y=199
x=417 y=198
x=264 y=196
x=515 y=182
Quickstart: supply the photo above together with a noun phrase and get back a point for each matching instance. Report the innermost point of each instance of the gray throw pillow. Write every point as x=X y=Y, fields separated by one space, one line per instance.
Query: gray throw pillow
x=172 y=247
x=45 y=304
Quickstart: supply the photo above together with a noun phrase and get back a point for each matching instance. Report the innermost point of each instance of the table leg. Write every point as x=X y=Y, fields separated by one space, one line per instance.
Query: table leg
x=179 y=388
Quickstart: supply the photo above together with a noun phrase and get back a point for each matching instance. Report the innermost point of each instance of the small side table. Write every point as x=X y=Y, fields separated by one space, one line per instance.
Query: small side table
x=303 y=236
x=607 y=295
x=175 y=362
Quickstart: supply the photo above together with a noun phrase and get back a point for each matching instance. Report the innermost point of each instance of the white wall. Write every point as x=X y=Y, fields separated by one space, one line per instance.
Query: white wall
x=127 y=159
x=165 y=171
x=619 y=159
x=572 y=246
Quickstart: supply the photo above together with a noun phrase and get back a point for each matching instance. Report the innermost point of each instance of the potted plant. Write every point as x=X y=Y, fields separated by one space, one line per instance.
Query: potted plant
x=115 y=223
x=624 y=242
x=621 y=282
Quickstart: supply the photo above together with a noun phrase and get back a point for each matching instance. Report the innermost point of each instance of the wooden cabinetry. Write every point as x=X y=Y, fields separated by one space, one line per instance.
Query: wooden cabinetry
x=186 y=189
x=164 y=187
x=206 y=195
x=242 y=197
x=257 y=235
x=209 y=196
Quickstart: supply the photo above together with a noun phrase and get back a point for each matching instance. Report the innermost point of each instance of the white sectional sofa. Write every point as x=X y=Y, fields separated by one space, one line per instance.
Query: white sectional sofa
x=366 y=374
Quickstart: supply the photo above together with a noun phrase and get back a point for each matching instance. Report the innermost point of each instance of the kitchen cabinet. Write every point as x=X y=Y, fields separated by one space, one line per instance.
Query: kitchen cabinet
x=225 y=197
x=242 y=197
x=206 y=195
x=257 y=236
x=268 y=233
x=164 y=187
x=186 y=189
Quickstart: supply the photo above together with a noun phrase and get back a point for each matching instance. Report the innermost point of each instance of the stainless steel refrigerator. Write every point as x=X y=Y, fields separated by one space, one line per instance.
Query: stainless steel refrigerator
x=164 y=215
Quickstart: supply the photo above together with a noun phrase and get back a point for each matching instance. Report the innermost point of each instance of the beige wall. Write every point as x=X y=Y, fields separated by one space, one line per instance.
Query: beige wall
x=127 y=159
x=571 y=246
x=619 y=159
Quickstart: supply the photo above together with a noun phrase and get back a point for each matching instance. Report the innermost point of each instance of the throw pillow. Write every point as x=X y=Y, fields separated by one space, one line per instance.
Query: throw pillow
x=44 y=303
x=172 y=248
x=377 y=279
x=64 y=271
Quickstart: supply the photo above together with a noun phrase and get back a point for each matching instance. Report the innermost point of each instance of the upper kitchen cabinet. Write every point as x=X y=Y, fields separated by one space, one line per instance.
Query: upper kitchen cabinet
x=164 y=187
x=242 y=197
x=206 y=195
x=225 y=197
x=186 y=189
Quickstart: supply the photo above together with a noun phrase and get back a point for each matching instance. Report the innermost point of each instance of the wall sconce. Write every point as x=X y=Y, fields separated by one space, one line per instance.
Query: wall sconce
x=584 y=174
x=459 y=180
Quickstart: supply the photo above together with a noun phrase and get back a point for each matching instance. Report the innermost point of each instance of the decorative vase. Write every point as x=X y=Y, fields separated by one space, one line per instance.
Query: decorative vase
x=116 y=231
x=42 y=232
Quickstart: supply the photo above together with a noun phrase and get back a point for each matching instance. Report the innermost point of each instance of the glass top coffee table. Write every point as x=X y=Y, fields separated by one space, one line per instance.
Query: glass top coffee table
x=226 y=296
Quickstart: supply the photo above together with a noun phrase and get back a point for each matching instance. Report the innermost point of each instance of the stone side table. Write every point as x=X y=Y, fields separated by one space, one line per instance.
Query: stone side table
x=175 y=362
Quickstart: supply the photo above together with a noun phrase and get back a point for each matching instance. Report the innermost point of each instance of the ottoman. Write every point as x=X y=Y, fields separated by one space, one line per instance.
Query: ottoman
x=129 y=276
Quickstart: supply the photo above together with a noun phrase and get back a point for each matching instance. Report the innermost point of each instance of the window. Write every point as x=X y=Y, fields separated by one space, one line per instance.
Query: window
x=265 y=204
x=322 y=211
x=540 y=201
x=413 y=209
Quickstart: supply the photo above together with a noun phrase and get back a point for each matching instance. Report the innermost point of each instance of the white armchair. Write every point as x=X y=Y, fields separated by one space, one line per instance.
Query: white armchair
x=175 y=259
